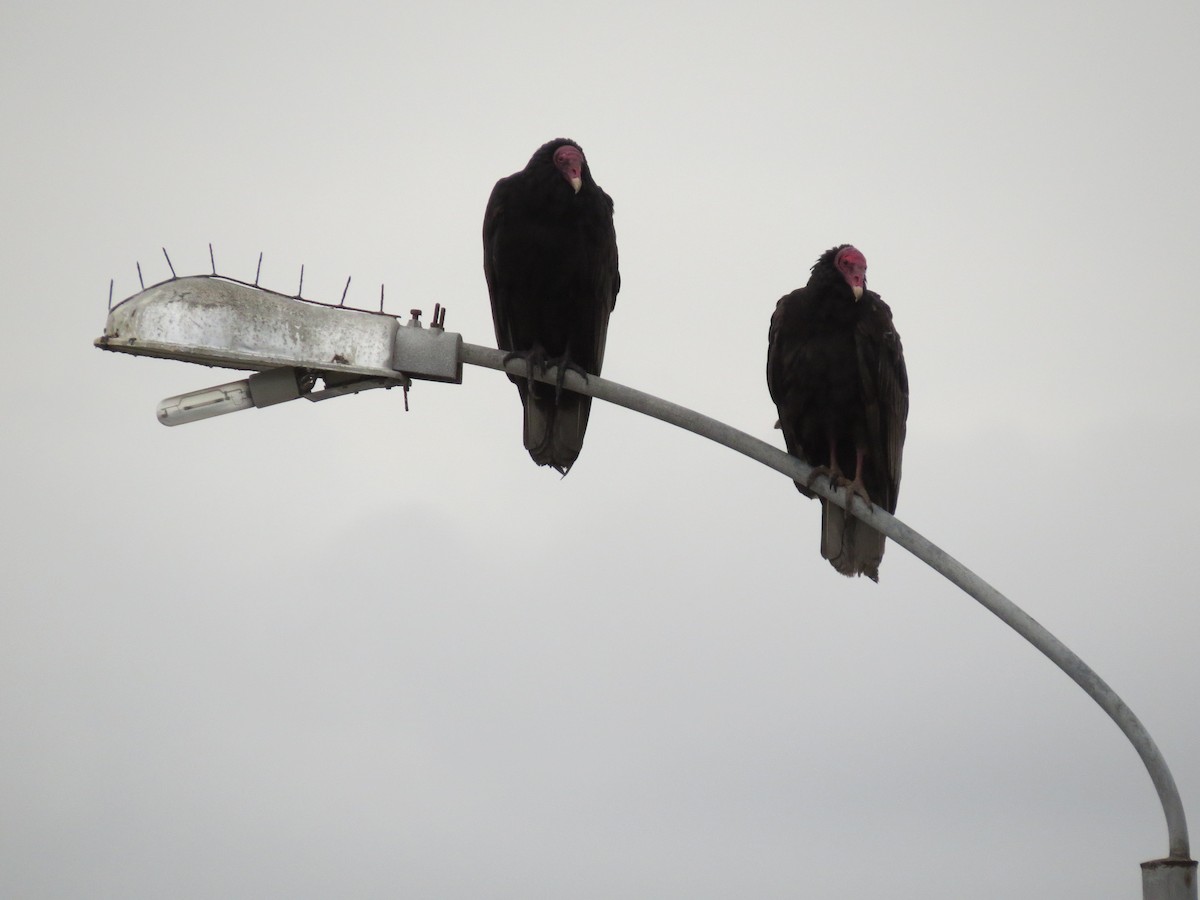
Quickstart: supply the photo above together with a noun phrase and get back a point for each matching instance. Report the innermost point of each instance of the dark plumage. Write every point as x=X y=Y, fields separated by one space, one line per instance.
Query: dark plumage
x=835 y=369
x=550 y=258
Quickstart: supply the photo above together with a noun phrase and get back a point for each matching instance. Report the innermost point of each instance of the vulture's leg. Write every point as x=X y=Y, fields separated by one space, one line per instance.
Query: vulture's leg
x=534 y=359
x=563 y=363
x=856 y=488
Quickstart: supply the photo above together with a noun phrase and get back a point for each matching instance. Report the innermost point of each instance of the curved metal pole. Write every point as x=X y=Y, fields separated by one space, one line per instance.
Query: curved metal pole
x=1007 y=611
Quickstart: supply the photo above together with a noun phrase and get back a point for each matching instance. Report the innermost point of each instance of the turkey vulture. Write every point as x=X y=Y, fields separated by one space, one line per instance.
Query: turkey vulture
x=550 y=259
x=835 y=369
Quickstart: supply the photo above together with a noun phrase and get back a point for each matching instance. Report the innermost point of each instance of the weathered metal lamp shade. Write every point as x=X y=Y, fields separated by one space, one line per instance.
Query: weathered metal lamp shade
x=215 y=321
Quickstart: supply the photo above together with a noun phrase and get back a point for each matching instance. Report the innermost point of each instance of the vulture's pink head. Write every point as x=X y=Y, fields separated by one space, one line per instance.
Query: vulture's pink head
x=568 y=160
x=853 y=266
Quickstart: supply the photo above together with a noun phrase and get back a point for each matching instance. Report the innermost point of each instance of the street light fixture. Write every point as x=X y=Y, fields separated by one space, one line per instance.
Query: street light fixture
x=291 y=343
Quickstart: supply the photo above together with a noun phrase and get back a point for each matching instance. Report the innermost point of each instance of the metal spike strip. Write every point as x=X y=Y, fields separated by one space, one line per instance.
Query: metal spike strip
x=439 y=313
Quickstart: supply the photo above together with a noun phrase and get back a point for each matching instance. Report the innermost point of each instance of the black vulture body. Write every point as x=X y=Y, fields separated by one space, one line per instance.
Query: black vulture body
x=835 y=369
x=550 y=259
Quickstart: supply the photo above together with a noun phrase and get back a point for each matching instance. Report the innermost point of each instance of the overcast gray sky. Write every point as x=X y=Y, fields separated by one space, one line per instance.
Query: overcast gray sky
x=338 y=650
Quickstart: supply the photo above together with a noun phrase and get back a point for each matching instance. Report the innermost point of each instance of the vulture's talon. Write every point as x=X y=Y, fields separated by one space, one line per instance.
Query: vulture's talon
x=833 y=473
x=534 y=360
x=855 y=489
x=562 y=364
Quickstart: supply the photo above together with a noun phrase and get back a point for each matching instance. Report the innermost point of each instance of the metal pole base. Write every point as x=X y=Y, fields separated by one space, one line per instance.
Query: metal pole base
x=1169 y=879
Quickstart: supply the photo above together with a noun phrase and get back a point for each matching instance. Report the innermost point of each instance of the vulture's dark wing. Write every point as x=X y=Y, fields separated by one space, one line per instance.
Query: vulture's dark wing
x=791 y=357
x=885 y=389
x=774 y=355
x=784 y=344
x=606 y=274
x=498 y=291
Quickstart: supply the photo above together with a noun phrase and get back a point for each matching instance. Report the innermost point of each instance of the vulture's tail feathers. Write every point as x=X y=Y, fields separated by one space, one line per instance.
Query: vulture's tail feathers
x=554 y=431
x=852 y=547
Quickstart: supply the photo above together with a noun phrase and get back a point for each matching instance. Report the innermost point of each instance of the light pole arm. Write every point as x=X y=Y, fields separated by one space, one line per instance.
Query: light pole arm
x=1007 y=611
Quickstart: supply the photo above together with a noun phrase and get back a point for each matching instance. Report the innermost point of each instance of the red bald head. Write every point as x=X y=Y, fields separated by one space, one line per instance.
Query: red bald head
x=568 y=159
x=853 y=266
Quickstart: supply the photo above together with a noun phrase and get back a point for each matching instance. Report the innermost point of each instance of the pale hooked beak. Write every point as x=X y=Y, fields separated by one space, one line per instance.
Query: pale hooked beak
x=858 y=291
x=577 y=183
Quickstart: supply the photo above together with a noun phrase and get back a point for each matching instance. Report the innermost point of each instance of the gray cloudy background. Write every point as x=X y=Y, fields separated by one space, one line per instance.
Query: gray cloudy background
x=338 y=650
